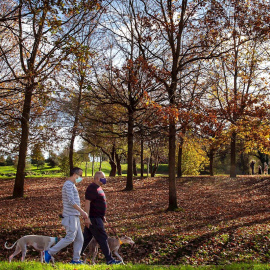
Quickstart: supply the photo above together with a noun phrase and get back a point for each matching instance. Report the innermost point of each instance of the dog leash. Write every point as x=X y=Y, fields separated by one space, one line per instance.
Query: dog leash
x=114 y=232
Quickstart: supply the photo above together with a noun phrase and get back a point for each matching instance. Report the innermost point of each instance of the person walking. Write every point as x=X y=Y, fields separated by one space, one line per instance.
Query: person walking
x=260 y=169
x=70 y=218
x=95 y=206
x=252 y=166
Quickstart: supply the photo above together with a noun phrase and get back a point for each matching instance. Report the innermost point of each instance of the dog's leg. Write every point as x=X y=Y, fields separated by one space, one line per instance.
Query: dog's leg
x=95 y=252
x=23 y=253
x=118 y=256
x=41 y=256
x=17 y=251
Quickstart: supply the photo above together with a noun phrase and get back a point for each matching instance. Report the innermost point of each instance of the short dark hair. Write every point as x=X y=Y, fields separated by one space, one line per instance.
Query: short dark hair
x=75 y=170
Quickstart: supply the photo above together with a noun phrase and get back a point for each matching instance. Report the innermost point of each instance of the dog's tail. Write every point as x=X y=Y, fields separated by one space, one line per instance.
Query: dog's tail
x=11 y=246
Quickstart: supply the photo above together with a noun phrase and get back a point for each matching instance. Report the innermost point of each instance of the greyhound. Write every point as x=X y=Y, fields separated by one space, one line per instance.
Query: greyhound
x=38 y=242
x=114 y=245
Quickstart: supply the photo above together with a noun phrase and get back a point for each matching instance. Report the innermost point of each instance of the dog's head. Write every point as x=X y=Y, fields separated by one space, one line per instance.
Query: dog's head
x=126 y=240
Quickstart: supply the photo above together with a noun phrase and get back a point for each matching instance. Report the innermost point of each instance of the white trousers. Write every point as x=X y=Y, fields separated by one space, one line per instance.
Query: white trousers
x=73 y=235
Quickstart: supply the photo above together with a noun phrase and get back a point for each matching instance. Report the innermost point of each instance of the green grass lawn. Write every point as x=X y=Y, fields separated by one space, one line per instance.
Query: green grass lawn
x=47 y=171
x=32 y=171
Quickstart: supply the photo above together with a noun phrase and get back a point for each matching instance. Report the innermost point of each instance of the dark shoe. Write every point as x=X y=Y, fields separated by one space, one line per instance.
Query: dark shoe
x=47 y=256
x=113 y=261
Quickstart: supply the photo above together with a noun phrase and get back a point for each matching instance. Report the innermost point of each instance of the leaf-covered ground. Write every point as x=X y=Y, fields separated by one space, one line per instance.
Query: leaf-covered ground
x=219 y=221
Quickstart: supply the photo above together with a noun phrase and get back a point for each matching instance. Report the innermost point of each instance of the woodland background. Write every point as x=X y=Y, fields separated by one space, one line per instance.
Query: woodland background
x=179 y=81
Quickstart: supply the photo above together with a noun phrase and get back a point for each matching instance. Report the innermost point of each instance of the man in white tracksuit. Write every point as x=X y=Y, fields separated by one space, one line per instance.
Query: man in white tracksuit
x=71 y=218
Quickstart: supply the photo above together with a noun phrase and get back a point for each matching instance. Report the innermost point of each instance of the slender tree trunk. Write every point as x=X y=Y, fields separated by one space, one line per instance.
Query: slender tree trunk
x=18 y=190
x=172 y=180
x=155 y=168
x=233 y=155
x=100 y=161
x=71 y=149
x=148 y=161
x=112 y=162
x=180 y=153
x=211 y=158
x=118 y=164
x=151 y=165
x=134 y=167
x=93 y=165
x=129 y=185
x=75 y=126
x=142 y=166
x=154 y=171
x=172 y=141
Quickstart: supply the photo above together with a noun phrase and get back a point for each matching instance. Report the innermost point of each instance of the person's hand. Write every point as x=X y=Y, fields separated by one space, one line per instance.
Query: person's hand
x=87 y=222
x=84 y=215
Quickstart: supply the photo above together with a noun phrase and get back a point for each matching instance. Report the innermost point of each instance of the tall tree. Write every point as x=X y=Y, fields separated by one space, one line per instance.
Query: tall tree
x=41 y=31
x=125 y=83
x=75 y=85
x=238 y=77
x=177 y=36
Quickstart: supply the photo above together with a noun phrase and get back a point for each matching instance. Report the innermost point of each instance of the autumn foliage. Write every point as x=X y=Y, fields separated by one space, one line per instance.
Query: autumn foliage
x=220 y=220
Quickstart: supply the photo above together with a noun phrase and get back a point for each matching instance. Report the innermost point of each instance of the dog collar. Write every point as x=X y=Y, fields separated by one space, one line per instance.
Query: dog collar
x=56 y=240
x=120 y=242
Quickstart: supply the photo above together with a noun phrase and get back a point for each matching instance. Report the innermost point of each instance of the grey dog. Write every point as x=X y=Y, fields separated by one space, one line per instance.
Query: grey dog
x=38 y=242
x=114 y=245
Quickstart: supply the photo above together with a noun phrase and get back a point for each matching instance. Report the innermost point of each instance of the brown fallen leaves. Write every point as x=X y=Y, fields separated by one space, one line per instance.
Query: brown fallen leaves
x=220 y=220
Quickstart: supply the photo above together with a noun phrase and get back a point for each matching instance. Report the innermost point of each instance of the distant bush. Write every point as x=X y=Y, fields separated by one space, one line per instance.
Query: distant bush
x=52 y=161
x=2 y=161
x=9 y=161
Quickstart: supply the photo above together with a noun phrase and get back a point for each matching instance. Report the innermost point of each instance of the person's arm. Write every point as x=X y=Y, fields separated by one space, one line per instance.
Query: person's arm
x=82 y=212
x=87 y=210
x=87 y=206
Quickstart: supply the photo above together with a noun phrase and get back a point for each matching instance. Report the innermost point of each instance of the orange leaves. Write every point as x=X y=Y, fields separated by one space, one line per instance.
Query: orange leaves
x=219 y=218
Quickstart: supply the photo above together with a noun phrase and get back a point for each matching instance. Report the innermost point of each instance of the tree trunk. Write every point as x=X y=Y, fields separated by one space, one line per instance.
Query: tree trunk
x=142 y=166
x=180 y=152
x=100 y=161
x=148 y=161
x=71 y=149
x=211 y=158
x=113 y=169
x=18 y=190
x=75 y=126
x=112 y=162
x=118 y=164
x=134 y=167
x=151 y=165
x=129 y=185
x=172 y=180
x=93 y=165
x=233 y=155
x=154 y=170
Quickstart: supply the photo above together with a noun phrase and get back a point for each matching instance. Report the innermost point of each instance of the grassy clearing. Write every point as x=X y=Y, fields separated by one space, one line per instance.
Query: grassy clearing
x=60 y=266
x=7 y=172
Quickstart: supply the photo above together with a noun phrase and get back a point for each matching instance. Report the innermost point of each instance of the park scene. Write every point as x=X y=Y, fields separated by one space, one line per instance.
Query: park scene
x=134 y=134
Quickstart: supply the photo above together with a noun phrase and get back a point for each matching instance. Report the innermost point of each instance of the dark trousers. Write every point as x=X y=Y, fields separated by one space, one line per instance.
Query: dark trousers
x=97 y=230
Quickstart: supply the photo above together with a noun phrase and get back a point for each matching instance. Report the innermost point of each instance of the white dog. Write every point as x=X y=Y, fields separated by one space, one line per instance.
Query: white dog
x=38 y=242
